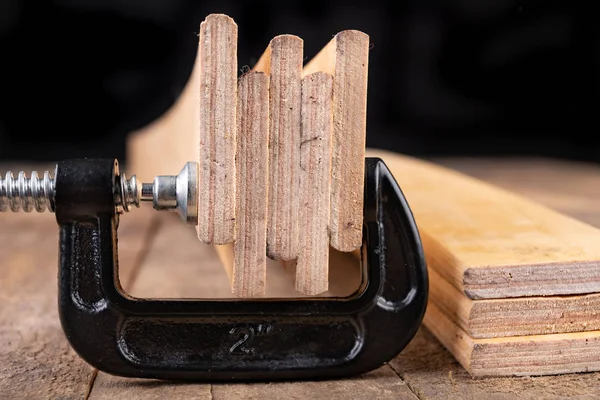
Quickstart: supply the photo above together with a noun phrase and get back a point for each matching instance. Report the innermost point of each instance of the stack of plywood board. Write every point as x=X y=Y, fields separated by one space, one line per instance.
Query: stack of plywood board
x=514 y=286
x=280 y=153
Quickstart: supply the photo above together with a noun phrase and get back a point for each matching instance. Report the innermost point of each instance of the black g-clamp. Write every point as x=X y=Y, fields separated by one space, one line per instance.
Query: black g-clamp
x=217 y=340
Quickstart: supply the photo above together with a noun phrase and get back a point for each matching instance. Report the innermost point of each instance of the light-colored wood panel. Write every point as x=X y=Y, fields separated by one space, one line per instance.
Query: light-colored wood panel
x=436 y=374
x=171 y=257
x=541 y=179
x=165 y=145
x=491 y=243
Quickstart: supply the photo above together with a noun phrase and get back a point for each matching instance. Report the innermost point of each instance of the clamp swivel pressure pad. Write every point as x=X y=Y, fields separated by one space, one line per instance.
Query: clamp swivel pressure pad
x=225 y=340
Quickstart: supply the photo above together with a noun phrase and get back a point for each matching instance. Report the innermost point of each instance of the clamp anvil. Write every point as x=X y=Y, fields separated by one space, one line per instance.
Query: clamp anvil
x=221 y=339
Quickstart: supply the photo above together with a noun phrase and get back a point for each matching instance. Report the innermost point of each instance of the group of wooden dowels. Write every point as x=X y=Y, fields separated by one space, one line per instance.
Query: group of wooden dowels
x=281 y=154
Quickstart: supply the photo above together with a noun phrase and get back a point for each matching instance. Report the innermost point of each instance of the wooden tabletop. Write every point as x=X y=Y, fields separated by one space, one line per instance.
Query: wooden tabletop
x=161 y=257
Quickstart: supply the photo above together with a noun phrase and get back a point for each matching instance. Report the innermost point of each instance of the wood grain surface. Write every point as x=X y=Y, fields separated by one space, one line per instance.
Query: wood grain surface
x=282 y=61
x=37 y=363
x=346 y=58
x=312 y=269
x=217 y=51
x=247 y=265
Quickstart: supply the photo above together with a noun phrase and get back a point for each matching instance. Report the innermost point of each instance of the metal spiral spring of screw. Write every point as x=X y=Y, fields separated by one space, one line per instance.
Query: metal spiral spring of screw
x=28 y=194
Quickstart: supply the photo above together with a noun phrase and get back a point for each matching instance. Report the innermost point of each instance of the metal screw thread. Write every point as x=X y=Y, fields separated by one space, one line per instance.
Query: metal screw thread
x=27 y=193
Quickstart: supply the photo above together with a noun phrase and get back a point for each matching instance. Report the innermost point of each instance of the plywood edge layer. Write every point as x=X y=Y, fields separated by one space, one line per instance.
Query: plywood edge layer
x=516 y=316
x=543 y=279
x=535 y=316
x=516 y=356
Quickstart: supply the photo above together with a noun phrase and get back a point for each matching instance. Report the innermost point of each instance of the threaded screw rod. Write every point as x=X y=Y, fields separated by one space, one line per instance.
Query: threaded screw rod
x=27 y=193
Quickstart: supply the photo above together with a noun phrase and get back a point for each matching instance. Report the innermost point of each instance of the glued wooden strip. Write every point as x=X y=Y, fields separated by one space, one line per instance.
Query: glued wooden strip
x=249 y=267
x=315 y=184
x=346 y=57
x=282 y=61
x=218 y=100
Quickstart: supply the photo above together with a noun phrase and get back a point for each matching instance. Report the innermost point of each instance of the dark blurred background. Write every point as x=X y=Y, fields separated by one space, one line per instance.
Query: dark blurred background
x=455 y=77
